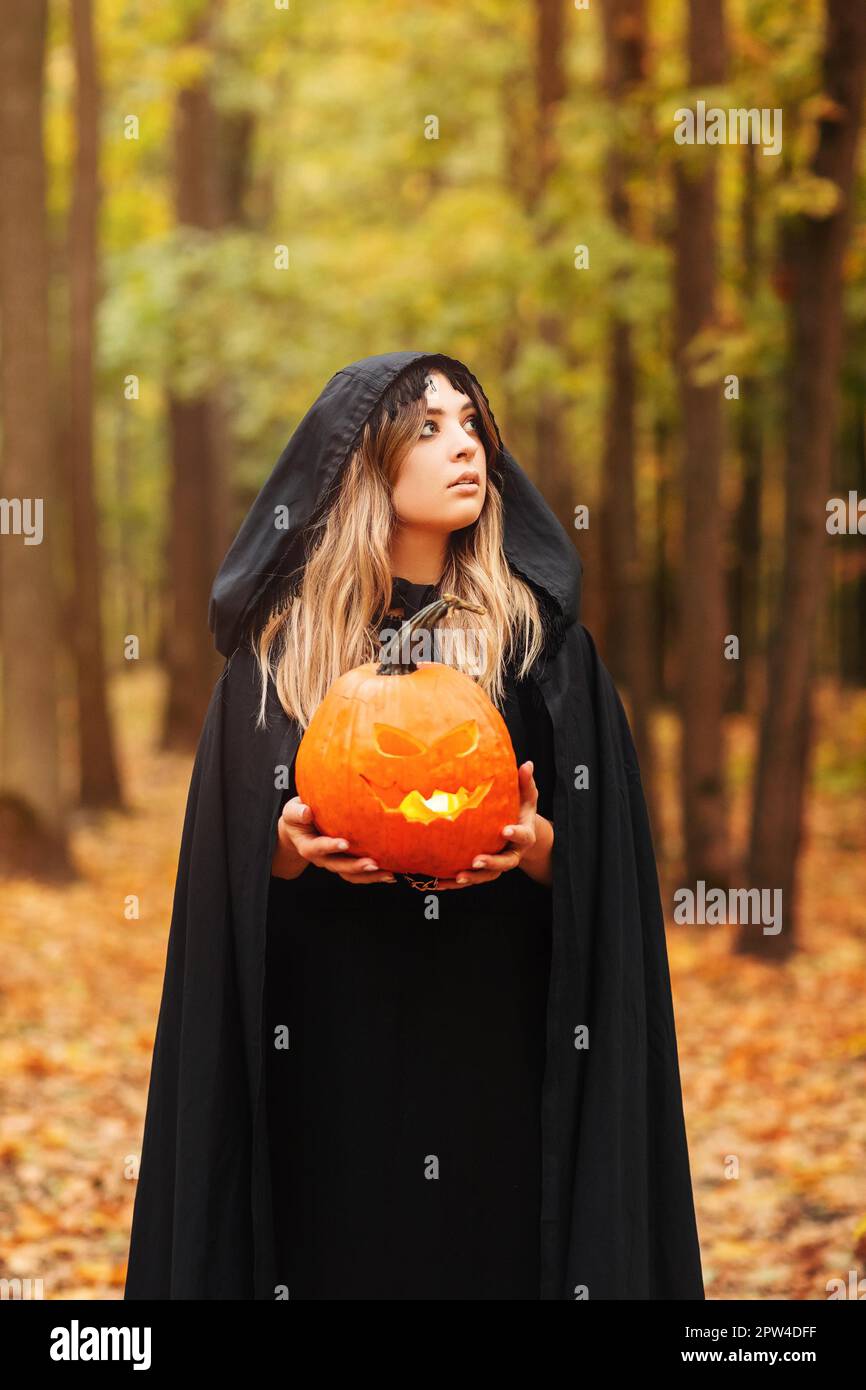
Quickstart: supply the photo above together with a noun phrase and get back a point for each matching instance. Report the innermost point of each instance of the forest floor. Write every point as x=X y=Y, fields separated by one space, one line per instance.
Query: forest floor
x=772 y=1055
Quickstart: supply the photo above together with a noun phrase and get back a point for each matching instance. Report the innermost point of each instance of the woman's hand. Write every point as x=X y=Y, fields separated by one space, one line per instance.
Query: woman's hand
x=299 y=843
x=532 y=839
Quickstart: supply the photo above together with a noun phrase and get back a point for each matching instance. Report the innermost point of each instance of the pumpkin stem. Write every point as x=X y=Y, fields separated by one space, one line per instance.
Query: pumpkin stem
x=393 y=662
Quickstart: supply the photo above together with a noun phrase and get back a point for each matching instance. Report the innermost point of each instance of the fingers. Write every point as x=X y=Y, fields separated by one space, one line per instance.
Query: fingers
x=317 y=847
x=326 y=851
x=383 y=876
x=521 y=835
x=489 y=866
x=355 y=869
x=528 y=789
x=296 y=812
x=467 y=878
x=486 y=867
x=296 y=825
x=296 y=820
x=362 y=868
x=499 y=863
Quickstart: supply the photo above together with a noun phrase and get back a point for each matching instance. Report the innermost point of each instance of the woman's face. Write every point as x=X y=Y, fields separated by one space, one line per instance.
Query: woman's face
x=426 y=493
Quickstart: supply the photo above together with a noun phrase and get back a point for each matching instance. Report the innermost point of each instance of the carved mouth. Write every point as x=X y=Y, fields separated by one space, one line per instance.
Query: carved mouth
x=439 y=805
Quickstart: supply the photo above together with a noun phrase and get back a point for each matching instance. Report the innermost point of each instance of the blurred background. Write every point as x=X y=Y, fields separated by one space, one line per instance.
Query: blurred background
x=207 y=210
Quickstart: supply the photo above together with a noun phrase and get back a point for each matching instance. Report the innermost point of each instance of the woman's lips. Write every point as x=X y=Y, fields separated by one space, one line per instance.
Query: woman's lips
x=464 y=487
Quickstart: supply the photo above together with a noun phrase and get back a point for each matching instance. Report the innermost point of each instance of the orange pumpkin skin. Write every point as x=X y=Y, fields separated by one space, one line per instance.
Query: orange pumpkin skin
x=379 y=748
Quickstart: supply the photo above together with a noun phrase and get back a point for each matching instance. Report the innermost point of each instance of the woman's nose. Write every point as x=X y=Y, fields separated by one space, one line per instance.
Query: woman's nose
x=465 y=444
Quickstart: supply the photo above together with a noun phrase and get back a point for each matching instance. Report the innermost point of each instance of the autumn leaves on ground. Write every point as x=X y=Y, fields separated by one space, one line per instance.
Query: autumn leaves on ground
x=773 y=1056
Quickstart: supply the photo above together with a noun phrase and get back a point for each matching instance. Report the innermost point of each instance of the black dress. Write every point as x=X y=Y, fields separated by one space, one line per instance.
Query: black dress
x=404 y=1114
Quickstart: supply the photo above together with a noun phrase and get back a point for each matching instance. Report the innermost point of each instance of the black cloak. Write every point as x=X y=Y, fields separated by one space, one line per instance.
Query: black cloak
x=617 y=1214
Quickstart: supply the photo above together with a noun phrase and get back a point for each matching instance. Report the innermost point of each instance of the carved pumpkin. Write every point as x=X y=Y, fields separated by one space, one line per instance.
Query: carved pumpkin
x=413 y=765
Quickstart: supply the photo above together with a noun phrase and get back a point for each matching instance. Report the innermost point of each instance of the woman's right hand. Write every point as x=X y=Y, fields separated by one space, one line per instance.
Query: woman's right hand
x=300 y=843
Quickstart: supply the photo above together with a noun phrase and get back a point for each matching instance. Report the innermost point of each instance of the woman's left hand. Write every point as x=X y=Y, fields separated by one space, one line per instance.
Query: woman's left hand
x=523 y=837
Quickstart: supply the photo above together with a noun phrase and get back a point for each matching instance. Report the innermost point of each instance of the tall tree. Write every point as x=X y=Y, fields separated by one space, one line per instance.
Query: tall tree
x=552 y=469
x=517 y=113
x=198 y=500
x=848 y=576
x=663 y=582
x=747 y=528
x=627 y=644
x=702 y=663
x=33 y=834
x=812 y=247
x=99 y=780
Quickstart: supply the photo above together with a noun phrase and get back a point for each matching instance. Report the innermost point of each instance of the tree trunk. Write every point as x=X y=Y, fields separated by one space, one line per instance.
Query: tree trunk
x=627 y=643
x=858 y=675
x=553 y=469
x=516 y=113
x=747 y=528
x=812 y=250
x=32 y=828
x=199 y=509
x=702 y=670
x=663 y=586
x=99 y=780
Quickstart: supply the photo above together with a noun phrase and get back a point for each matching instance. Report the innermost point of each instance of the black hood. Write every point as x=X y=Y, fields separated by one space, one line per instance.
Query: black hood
x=263 y=554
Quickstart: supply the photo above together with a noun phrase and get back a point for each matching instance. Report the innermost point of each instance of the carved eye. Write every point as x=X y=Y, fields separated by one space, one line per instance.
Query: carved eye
x=459 y=742
x=396 y=743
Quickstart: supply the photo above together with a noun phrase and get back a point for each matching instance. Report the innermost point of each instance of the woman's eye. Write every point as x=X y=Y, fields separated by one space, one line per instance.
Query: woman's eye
x=470 y=419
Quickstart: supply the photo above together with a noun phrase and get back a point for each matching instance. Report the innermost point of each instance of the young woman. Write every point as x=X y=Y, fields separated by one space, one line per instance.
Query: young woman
x=360 y=1089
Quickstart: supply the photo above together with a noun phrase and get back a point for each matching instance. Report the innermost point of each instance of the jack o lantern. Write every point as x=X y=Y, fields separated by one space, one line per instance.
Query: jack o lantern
x=412 y=764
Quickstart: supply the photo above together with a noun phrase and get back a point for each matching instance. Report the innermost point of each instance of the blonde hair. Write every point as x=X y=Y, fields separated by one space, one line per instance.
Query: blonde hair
x=330 y=623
